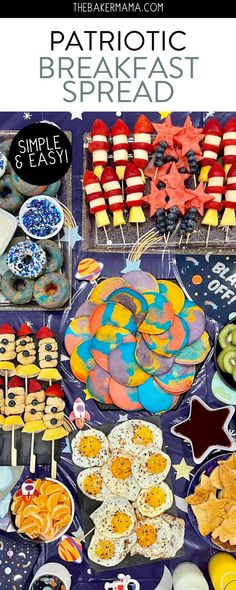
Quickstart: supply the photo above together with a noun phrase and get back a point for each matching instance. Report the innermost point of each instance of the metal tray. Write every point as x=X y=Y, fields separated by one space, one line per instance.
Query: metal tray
x=94 y=239
x=65 y=197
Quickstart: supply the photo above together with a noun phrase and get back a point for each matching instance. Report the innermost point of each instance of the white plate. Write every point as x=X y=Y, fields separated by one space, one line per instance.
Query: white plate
x=8 y=225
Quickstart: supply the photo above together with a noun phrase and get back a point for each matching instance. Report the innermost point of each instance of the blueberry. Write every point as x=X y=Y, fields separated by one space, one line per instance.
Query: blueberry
x=11 y=395
x=33 y=412
x=4 y=341
x=170 y=228
x=25 y=353
x=183 y=170
x=163 y=144
x=160 y=185
x=171 y=216
x=192 y=210
x=2 y=350
x=160 y=212
x=193 y=169
x=48 y=347
x=192 y=216
x=158 y=163
x=159 y=152
x=191 y=224
x=23 y=342
x=12 y=404
x=48 y=358
x=190 y=153
x=169 y=159
x=54 y=410
x=34 y=402
x=53 y=421
x=174 y=210
x=191 y=159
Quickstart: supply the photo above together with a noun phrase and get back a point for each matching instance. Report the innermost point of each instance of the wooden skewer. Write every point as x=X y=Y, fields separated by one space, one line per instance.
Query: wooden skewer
x=53 y=462
x=227 y=234
x=208 y=235
x=32 y=455
x=87 y=534
x=180 y=240
x=13 y=448
x=122 y=233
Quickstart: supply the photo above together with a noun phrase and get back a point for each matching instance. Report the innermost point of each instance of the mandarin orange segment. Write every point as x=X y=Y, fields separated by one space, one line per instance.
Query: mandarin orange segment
x=53 y=487
x=44 y=486
x=53 y=500
x=29 y=527
x=65 y=499
x=30 y=510
x=60 y=511
x=65 y=521
x=41 y=502
x=37 y=484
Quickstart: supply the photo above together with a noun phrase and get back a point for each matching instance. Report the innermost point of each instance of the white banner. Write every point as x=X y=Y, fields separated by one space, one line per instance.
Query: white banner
x=117 y=64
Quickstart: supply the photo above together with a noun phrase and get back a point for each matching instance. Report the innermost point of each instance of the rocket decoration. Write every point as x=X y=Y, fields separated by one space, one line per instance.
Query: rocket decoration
x=211 y=147
x=229 y=144
x=215 y=188
x=79 y=414
x=120 y=147
x=99 y=146
x=228 y=218
x=95 y=198
x=112 y=192
x=142 y=145
x=134 y=192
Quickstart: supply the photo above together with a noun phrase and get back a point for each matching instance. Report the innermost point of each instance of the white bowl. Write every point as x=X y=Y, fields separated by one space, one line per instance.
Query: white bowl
x=63 y=531
x=26 y=206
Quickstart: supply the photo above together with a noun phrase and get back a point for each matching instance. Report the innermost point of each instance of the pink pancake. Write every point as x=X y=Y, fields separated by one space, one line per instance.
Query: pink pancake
x=141 y=280
x=98 y=385
x=178 y=380
x=76 y=333
x=106 y=339
x=113 y=314
x=123 y=397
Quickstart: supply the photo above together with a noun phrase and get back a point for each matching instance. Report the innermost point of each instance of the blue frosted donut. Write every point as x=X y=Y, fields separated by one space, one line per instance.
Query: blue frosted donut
x=52 y=189
x=26 y=189
x=26 y=259
x=16 y=289
x=52 y=290
x=54 y=255
x=10 y=199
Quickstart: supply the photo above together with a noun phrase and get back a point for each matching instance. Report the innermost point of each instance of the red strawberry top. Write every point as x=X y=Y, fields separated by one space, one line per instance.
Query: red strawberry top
x=89 y=178
x=24 y=330
x=100 y=128
x=230 y=125
x=54 y=391
x=216 y=170
x=120 y=128
x=143 y=125
x=44 y=332
x=213 y=127
x=34 y=386
x=109 y=175
x=131 y=171
x=7 y=329
x=15 y=382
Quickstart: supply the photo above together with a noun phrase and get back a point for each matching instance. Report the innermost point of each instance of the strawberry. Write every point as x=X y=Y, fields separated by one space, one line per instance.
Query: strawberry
x=131 y=170
x=143 y=125
x=15 y=382
x=24 y=330
x=89 y=178
x=100 y=128
x=120 y=128
x=44 y=332
x=34 y=386
x=7 y=329
x=54 y=391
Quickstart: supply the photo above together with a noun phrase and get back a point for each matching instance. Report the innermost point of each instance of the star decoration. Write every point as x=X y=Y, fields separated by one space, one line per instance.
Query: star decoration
x=156 y=199
x=131 y=265
x=210 y=114
x=165 y=132
x=123 y=418
x=76 y=115
x=189 y=137
x=71 y=235
x=199 y=198
x=164 y=114
x=214 y=434
x=87 y=394
x=27 y=116
x=182 y=470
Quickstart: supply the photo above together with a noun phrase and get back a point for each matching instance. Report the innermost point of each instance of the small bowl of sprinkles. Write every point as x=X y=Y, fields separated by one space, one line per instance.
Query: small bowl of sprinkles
x=41 y=217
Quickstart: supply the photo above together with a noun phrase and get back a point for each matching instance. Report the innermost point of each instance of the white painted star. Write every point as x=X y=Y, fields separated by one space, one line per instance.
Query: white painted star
x=27 y=116
x=209 y=114
x=79 y=534
x=182 y=470
x=123 y=418
x=76 y=115
x=71 y=235
x=30 y=324
x=118 y=113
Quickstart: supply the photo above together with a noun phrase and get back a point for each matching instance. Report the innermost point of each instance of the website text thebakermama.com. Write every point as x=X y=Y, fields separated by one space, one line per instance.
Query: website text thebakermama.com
x=118 y=7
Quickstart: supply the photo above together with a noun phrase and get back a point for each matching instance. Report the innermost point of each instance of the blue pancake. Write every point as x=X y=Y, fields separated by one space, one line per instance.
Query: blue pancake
x=195 y=353
x=160 y=315
x=153 y=397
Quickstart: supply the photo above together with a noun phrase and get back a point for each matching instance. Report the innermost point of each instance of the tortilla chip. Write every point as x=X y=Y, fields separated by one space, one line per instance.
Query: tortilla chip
x=215 y=478
x=210 y=515
x=230 y=462
x=202 y=491
x=226 y=531
x=228 y=481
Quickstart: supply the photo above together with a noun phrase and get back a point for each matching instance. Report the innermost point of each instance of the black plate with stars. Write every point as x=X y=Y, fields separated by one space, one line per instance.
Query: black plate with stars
x=24 y=555
x=210 y=281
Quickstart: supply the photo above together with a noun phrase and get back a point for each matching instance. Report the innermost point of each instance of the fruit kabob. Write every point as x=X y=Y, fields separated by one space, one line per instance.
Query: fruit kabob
x=211 y=146
x=99 y=146
x=228 y=218
x=215 y=188
x=113 y=193
x=95 y=198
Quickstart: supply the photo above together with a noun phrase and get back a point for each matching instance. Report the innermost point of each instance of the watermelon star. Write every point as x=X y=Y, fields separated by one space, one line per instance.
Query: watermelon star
x=174 y=179
x=178 y=197
x=156 y=199
x=199 y=198
x=166 y=131
x=189 y=137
